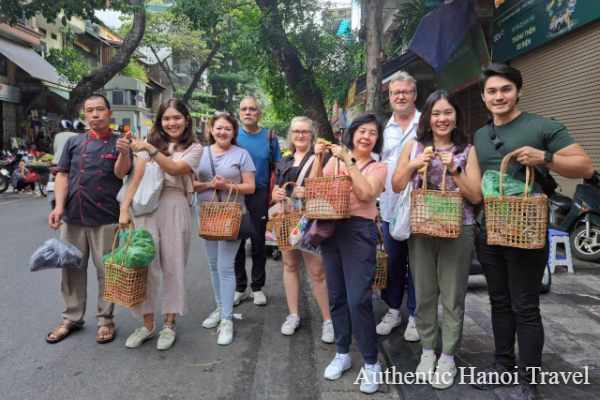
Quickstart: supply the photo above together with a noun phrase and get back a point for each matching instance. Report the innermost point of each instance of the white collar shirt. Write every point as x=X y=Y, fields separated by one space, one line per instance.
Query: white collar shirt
x=394 y=139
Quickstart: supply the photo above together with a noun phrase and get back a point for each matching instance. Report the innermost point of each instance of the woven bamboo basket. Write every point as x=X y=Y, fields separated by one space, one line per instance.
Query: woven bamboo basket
x=124 y=286
x=381 y=263
x=517 y=221
x=327 y=197
x=436 y=213
x=220 y=220
x=285 y=222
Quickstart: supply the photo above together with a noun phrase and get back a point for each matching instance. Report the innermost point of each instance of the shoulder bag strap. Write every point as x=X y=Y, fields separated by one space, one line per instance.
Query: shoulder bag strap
x=366 y=165
x=304 y=170
x=212 y=167
x=271 y=136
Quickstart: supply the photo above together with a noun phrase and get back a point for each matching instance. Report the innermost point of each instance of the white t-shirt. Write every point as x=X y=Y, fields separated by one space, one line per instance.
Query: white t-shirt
x=394 y=139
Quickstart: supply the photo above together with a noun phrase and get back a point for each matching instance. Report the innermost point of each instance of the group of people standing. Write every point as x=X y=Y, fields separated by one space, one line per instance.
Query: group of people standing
x=381 y=161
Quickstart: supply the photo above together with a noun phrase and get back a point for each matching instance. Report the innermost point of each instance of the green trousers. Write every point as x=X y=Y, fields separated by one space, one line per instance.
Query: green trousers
x=440 y=268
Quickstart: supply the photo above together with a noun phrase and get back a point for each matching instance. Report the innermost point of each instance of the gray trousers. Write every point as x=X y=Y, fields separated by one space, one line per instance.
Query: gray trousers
x=440 y=268
x=95 y=241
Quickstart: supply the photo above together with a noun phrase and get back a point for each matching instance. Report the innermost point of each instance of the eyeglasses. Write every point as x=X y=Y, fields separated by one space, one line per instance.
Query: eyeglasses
x=221 y=113
x=251 y=109
x=296 y=132
x=404 y=93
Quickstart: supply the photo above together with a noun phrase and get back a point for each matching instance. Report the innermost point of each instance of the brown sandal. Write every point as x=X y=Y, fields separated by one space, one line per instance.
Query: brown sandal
x=111 y=328
x=66 y=326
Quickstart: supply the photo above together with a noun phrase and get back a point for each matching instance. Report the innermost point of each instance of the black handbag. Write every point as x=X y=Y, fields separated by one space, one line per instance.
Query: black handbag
x=246 y=227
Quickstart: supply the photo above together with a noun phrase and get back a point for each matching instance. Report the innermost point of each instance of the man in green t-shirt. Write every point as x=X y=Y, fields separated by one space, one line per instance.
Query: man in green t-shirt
x=514 y=275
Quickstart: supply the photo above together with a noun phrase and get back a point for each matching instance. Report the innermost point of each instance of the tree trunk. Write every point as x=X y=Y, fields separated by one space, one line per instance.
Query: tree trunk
x=98 y=78
x=374 y=27
x=301 y=81
x=190 y=90
x=166 y=70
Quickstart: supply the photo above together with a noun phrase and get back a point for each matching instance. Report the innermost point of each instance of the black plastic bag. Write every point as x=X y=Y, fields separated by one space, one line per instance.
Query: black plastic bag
x=55 y=253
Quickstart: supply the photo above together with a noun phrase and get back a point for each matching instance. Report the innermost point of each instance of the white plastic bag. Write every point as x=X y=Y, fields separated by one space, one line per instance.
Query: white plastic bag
x=400 y=219
x=300 y=239
x=146 y=197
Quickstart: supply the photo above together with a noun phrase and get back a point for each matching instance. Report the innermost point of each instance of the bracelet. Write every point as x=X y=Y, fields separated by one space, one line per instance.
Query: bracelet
x=154 y=153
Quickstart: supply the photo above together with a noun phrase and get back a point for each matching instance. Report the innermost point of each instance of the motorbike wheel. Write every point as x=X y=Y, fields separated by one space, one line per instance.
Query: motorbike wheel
x=43 y=183
x=583 y=247
x=546 y=280
x=4 y=182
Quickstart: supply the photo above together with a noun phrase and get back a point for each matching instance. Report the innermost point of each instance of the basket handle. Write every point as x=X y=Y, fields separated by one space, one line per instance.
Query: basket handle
x=529 y=175
x=129 y=226
x=284 y=203
x=444 y=174
x=317 y=168
x=424 y=186
x=232 y=187
x=380 y=240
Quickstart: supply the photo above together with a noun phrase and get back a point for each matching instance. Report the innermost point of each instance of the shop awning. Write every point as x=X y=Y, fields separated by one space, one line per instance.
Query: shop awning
x=441 y=31
x=60 y=93
x=31 y=62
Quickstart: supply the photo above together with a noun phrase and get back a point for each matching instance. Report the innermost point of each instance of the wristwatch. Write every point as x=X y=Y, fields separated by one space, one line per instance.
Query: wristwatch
x=457 y=171
x=351 y=162
x=548 y=157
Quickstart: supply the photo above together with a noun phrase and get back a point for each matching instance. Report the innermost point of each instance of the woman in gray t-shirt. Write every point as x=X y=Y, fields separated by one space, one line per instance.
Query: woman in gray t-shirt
x=231 y=165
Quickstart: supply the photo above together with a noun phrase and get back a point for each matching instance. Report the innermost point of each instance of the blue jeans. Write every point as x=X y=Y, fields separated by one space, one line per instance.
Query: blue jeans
x=398 y=272
x=221 y=257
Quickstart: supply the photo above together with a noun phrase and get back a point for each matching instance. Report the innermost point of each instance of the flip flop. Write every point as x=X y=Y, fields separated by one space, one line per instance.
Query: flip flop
x=70 y=328
x=108 y=339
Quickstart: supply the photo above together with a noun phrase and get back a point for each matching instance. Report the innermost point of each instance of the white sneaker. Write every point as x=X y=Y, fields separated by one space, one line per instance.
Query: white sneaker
x=371 y=378
x=337 y=366
x=213 y=319
x=139 y=336
x=425 y=368
x=166 y=337
x=225 y=332
x=238 y=297
x=388 y=323
x=327 y=332
x=259 y=298
x=411 y=334
x=290 y=325
x=443 y=377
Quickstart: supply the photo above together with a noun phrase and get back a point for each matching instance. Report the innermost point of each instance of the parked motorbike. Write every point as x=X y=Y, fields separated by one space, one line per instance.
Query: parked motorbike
x=580 y=217
x=8 y=164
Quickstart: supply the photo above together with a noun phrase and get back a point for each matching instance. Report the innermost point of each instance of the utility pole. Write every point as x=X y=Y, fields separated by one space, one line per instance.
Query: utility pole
x=373 y=24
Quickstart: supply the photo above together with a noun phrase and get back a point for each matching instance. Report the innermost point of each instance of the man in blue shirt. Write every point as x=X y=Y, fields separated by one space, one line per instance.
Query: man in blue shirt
x=264 y=152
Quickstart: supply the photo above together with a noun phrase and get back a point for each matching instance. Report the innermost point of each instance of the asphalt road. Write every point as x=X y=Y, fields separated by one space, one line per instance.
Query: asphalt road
x=260 y=363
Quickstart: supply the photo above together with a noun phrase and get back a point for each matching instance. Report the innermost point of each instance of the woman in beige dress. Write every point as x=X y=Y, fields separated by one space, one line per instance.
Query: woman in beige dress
x=172 y=145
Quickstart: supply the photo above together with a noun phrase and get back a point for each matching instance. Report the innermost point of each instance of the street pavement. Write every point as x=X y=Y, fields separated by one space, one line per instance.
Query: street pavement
x=261 y=363
x=571 y=317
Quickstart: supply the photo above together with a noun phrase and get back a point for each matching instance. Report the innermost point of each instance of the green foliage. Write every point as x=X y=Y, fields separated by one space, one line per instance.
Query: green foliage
x=334 y=64
x=70 y=63
x=407 y=18
x=166 y=29
x=199 y=105
x=13 y=10
x=135 y=70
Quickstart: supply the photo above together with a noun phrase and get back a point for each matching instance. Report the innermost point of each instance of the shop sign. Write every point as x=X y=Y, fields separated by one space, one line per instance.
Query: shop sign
x=9 y=93
x=523 y=25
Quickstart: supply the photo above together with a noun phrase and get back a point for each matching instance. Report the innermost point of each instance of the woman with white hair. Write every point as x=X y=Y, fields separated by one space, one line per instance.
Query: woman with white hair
x=294 y=168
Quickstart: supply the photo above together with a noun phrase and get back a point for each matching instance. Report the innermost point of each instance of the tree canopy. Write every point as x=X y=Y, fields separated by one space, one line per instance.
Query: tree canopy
x=12 y=10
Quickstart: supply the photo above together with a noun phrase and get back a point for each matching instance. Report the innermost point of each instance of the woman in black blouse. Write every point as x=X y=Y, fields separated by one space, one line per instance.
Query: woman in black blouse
x=294 y=168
